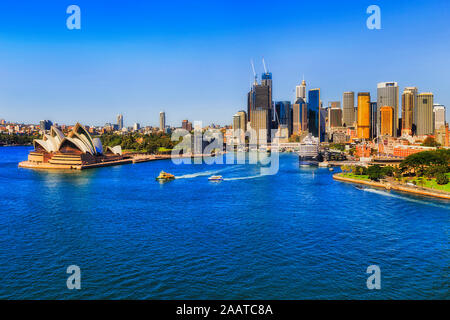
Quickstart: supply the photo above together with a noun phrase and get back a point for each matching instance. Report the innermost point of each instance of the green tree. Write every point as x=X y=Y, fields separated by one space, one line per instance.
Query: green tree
x=388 y=171
x=441 y=179
x=430 y=142
x=375 y=172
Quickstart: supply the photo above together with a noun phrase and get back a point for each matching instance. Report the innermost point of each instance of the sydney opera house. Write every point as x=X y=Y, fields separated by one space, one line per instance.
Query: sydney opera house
x=77 y=150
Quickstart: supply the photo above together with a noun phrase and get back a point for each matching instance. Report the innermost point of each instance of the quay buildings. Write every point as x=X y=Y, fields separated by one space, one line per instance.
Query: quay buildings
x=389 y=114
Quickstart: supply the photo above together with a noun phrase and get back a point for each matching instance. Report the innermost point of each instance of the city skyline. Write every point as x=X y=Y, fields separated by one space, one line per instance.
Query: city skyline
x=86 y=74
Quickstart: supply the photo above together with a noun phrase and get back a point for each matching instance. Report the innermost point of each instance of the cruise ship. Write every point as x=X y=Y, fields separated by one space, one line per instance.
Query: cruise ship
x=309 y=154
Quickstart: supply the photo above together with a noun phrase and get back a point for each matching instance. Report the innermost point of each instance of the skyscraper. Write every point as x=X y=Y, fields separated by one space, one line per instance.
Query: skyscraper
x=408 y=107
x=120 y=121
x=240 y=126
x=260 y=99
x=266 y=80
x=186 y=125
x=388 y=95
x=313 y=110
x=283 y=113
x=439 y=116
x=386 y=121
x=349 y=109
x=236 y=123
x=373 y=119
x=242 y=120
x=260 y=122
x=300 y=91
x=334 y=115
x=414 y=91
x=162 y=121
x=425 y=114
x=299 y=116
x=363 y=128
x=45 y=125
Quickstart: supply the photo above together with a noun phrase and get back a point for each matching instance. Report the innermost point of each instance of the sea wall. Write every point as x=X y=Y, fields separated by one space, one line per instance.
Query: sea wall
x=388 y=186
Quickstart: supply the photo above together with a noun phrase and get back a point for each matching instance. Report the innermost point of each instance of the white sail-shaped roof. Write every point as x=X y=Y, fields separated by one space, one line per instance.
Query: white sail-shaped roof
x=42 y=143
x=78 y=143
x=98 y=145
x=57 y=134
x=79 y=138
x=115 y=150
x=84 y=135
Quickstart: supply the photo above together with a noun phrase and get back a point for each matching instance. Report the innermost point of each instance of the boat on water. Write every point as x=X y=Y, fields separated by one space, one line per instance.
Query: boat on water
x=323 y=164
x=309 y=154
x=215 y=178
x=164 y=176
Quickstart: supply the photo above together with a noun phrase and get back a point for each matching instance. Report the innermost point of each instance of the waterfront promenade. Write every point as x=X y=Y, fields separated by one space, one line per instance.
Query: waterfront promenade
x=393 y=185
x=132 y=158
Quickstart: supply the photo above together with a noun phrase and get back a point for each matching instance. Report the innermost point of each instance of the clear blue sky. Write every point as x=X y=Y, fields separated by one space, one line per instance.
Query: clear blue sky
x=192 y=58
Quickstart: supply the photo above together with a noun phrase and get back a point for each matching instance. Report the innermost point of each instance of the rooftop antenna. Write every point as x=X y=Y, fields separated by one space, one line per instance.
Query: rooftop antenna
x=264 y=64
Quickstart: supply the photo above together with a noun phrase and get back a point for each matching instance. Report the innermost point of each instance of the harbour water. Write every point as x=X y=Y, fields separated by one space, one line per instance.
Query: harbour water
x=294 y=235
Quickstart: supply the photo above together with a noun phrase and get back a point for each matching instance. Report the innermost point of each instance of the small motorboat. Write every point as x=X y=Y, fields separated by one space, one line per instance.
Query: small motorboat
x=215 y=178
x=164 y=176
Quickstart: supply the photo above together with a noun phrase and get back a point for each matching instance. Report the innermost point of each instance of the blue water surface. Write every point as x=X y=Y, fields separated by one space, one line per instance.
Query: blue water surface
x=294 y=235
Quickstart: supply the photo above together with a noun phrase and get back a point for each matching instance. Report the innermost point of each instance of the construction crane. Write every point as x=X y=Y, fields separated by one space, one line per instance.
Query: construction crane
x=264 y=64
x=254 y=72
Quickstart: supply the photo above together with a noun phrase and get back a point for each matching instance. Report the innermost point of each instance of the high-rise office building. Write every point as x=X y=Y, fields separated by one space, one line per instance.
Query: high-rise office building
x=259 y=105
x=300 y=91
x=388 y=95
x=45 y=125
x=283 y=114
x=242 y=120
x=249 y=103
x=439 y=116
x=261 y=122
x=414 y=91
x=424 y=125
x=162 y=121
x=373 y=119
x=266 y=80
x=386 y=121
x=240 y=126
x=363 y=127
x=334 y=115
x=120 y=121
x=349 y=109
x=299 y=116
x=186 y=125
x=313 y=110
x=408 y=107
x=323 y=113
x=236 y=125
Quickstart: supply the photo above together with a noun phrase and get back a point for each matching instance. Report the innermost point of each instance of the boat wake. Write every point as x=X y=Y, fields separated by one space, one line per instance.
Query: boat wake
x=244 y=178
x=388 y=194
x=201 y=174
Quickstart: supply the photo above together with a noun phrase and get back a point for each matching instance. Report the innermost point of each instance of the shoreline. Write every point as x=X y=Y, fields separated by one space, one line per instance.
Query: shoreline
x=130 y=160
x=388 y=186
x=16 y=145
